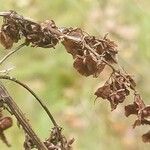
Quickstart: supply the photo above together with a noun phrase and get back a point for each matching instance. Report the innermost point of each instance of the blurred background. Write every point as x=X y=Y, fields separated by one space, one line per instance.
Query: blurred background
x=70 y=96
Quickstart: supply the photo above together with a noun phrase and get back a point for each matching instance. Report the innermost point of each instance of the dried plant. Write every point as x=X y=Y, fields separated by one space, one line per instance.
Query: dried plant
x=91 y=55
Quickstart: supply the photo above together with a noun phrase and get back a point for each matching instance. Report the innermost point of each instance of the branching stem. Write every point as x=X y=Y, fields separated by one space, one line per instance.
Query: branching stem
x=33 y=93
x=16 y=111
x=5 y=77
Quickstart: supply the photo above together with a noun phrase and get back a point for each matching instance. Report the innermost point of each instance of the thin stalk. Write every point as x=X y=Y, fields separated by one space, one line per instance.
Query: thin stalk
x=5 y=77
x=16 y=111
x=12 y=52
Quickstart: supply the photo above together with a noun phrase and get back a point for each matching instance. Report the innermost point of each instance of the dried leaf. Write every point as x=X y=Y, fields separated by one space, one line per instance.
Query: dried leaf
x=72 y=47
x=100 y=68
x=5 y=40
x=115 y=99
x=146 y=112
x=142 y=121
x=110 y=57
x=4 y=139
x=131 y=109
x=81 y=67
x=146 y=137
x=90 y=63
x=138 y=100
x=103 y=91
x=111 y=51
x=132 y=82
x=5 y=123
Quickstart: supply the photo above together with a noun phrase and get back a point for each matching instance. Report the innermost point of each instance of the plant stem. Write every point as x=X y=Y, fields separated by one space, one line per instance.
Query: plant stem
x=5 y=77
x=16 y=111
x=12 y=52
x=39 y=100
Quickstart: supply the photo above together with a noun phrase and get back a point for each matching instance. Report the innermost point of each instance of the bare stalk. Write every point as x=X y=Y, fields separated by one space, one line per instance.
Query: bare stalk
x=16 y=111
x=11 y=52
x=39 y=100
x=33 y=93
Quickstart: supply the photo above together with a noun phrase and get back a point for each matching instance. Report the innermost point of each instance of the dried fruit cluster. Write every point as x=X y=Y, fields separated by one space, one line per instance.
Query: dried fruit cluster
x=15 y=27
x=91 y=55
x=114 y=90
x=52 y=143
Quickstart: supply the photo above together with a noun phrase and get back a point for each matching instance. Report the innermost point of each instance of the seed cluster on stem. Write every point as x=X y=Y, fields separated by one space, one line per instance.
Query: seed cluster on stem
x=91 y=55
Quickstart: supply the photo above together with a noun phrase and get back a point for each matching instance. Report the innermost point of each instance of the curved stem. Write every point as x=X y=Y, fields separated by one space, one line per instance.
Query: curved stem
x=5 y=77
x=12 y=52
x=17 y=112
x=36 y=97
